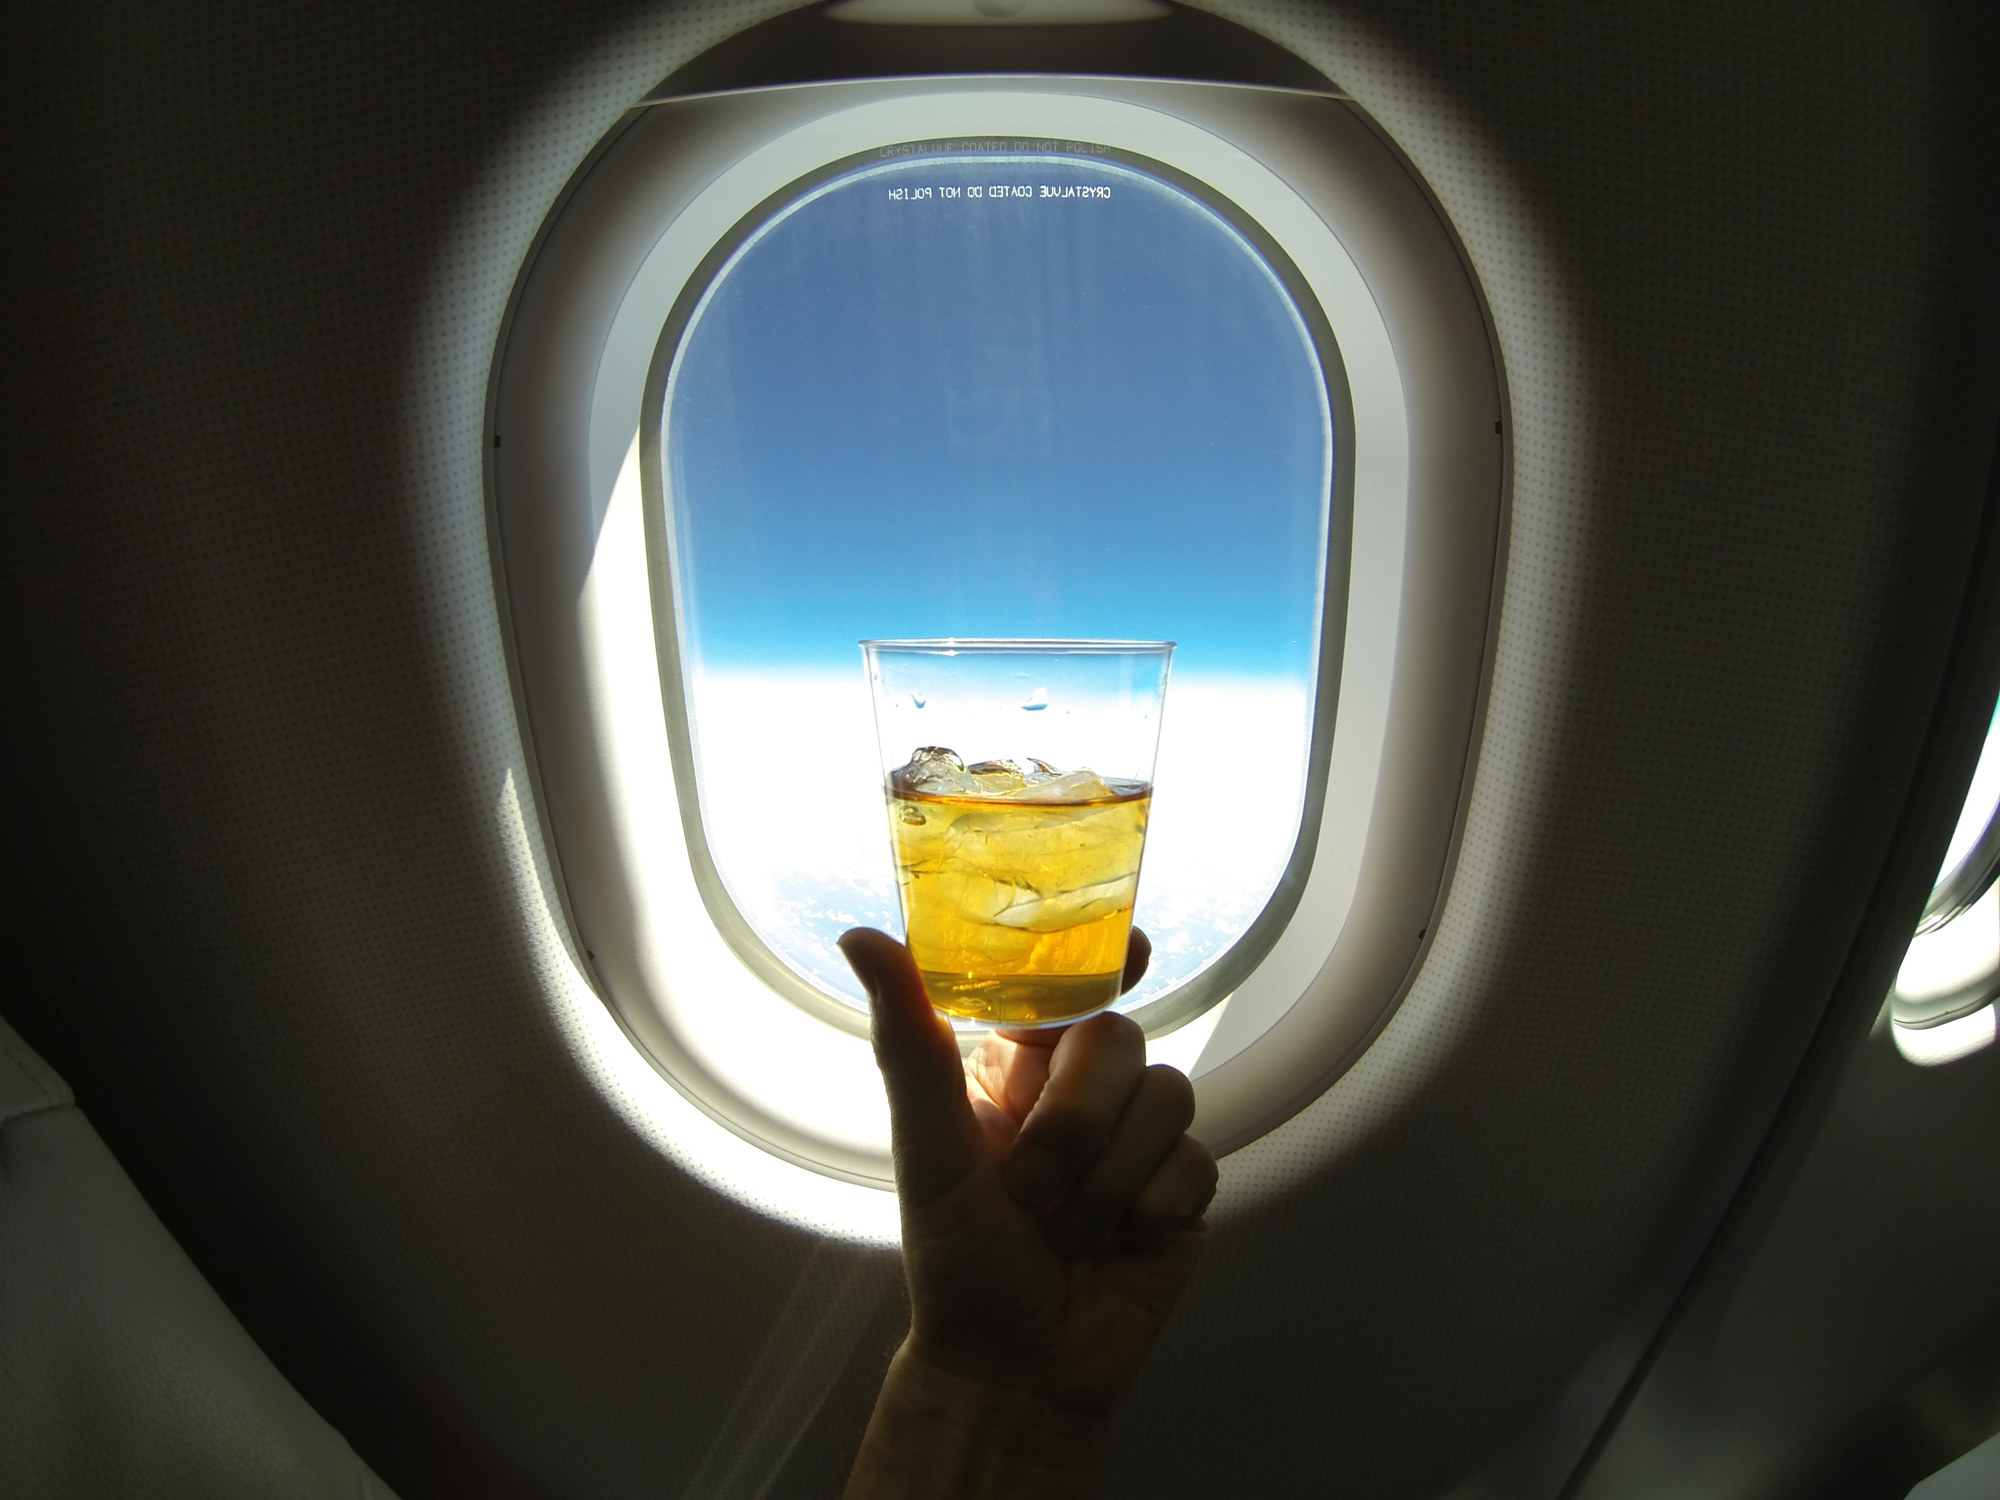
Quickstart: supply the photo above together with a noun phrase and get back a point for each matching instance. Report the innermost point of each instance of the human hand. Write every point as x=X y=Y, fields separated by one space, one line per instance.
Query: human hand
x=1051 y=1205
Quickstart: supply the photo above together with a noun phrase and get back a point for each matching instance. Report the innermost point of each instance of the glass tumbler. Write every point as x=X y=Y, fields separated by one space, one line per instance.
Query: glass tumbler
x=1018 y=776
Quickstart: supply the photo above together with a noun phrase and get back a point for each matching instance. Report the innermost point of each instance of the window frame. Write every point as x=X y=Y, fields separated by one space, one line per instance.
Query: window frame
x=1941 y=1007
x=1430 y=476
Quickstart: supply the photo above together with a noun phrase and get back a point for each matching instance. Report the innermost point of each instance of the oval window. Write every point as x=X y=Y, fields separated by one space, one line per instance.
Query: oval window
x=965 y=389
x=1048 y=356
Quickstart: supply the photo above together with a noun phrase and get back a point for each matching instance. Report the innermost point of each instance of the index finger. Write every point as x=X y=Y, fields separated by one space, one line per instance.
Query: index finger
x=1092 y=1073
x=1012 y=1064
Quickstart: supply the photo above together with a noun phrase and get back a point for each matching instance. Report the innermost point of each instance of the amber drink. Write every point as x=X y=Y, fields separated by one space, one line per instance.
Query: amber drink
x=1017 y=884
x=1018 y=875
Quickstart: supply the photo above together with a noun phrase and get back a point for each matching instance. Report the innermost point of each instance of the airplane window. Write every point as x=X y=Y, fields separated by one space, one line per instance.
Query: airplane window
x=961 y=389
x=1054 y=355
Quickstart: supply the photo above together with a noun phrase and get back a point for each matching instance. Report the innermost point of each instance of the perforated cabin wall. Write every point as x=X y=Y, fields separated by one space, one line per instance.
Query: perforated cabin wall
x=262 y=739
x=1732 y=563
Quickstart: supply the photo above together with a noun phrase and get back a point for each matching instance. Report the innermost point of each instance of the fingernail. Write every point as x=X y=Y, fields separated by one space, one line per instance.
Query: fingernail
x=1034 y=1179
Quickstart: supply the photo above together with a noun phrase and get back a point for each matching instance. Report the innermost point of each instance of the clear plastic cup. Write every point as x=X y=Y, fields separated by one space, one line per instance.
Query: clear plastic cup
x=1019 y=777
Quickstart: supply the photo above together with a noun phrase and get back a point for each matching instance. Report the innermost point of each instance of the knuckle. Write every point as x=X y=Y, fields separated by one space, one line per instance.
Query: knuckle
x=1170 y=1092
x=1111 y=1030
x=1065 y=1129
x=1155 y=1209
x=1183 y=1186
x=1199 y=1193
x=1195 y=1160
x=1209 y=1178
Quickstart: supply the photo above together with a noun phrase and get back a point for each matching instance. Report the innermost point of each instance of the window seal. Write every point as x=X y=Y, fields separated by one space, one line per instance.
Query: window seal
x=1430 y=507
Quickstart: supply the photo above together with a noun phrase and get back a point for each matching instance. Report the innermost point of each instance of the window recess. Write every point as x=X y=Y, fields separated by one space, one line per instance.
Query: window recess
x=1365 y=539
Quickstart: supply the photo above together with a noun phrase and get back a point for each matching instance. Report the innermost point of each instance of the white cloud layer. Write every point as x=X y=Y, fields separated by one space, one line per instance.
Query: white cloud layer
x=792 y=803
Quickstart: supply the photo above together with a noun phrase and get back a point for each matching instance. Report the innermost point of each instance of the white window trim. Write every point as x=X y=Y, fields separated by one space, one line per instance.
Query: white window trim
x=568 y=483
x=1941 y=1008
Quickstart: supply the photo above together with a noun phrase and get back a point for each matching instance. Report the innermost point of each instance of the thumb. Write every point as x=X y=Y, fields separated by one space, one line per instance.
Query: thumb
x=936 y=1136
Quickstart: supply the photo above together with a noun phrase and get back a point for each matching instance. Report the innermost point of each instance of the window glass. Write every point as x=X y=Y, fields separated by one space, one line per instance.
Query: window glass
x=993 y=389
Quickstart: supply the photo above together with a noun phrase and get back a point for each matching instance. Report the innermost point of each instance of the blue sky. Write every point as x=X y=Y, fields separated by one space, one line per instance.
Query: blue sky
x=956 y=413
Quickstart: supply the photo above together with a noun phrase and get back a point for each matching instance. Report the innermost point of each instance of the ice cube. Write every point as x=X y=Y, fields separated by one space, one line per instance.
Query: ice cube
x=1032 y=911
x=998 y=778
x=1078 y=786
x=989 y=901
x=935 y=770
